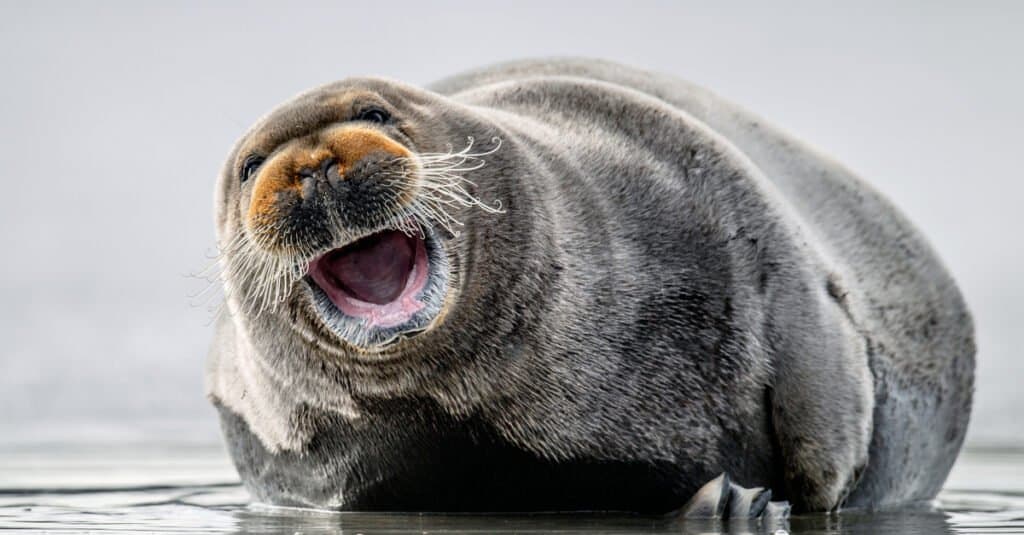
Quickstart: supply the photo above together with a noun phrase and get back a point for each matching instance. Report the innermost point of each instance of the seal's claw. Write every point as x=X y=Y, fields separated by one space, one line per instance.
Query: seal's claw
x=721 y=498
x=777 y=510
x=747 y=503
x=710 y=501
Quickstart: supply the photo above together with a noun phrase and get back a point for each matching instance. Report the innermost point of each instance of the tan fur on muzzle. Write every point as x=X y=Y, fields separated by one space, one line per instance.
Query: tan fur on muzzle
x=346 y=145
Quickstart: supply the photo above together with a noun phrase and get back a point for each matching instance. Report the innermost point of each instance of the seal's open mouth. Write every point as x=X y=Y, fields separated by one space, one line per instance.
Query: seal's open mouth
x=377 y=279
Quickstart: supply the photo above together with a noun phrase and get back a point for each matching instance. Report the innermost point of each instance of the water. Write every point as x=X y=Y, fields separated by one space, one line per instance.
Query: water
x=194 y=489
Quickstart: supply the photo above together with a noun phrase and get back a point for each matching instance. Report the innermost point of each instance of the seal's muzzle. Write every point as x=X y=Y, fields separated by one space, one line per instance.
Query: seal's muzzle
x=336 y=172
x=336 y=202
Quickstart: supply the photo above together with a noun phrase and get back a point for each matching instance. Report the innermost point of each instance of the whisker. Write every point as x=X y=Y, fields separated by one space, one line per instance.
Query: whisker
x=259 y=281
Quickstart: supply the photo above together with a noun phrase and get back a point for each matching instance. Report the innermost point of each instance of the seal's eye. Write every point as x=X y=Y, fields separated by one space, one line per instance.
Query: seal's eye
x=250 y=166
x=373 y=115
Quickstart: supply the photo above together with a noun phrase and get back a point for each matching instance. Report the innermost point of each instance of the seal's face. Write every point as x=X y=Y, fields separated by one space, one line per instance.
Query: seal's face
x=335 y=209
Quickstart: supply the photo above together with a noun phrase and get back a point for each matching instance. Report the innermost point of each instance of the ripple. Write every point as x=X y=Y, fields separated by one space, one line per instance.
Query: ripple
x=174 y=492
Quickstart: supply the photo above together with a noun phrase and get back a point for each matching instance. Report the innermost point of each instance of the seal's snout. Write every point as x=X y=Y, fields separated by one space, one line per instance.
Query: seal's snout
x=333 y=170
x=341 y=209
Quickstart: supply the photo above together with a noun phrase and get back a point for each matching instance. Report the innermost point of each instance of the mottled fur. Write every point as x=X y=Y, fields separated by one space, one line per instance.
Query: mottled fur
x=674 y=290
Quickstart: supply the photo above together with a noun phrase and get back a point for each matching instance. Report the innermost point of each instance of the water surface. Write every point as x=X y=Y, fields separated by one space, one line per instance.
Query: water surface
x=194 y=489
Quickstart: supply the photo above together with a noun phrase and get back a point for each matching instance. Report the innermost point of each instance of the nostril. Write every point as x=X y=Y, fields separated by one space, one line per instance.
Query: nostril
x=320 y=172
x=306 y=173
x=327 y=164
x=332 y=170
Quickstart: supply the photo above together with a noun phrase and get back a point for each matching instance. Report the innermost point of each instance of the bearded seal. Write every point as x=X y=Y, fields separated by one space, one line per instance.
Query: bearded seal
x=568 y=284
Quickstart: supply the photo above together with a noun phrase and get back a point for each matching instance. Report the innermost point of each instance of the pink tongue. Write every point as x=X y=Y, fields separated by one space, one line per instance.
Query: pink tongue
x=374 y=269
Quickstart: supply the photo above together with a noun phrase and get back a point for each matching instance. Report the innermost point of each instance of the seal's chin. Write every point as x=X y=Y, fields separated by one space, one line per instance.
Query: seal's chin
x=381 y=287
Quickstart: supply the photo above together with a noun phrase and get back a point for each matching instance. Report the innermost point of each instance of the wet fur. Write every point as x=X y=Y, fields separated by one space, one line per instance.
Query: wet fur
x=675 y=290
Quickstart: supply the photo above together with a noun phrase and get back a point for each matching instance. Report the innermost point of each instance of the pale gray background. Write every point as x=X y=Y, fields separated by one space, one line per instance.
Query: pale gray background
x=115 y=117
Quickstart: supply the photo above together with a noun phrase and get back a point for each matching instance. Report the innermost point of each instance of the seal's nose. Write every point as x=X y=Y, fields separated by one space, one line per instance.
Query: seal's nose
x=329 y=170
x=294 y=172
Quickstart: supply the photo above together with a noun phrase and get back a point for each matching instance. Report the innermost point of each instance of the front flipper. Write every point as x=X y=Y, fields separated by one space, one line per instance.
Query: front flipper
x=722 y=499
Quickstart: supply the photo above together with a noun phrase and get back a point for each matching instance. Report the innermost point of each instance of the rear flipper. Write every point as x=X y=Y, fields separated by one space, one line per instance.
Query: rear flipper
x=725 y=500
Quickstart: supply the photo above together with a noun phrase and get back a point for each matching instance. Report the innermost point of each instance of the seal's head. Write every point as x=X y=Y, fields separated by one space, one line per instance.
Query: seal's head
x=340 y=213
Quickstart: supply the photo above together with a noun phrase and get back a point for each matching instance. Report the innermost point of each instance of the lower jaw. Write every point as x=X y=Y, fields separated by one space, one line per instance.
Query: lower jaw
x=377 y=327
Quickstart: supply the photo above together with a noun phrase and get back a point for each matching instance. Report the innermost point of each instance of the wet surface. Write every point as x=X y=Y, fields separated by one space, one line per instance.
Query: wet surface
x=195 y=490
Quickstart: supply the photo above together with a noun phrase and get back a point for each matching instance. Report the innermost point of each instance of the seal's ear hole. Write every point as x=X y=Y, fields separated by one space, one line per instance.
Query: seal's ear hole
x=250 y=166
x=374 y=115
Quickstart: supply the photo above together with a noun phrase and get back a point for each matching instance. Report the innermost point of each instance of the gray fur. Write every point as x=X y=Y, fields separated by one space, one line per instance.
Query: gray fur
x=673 y=285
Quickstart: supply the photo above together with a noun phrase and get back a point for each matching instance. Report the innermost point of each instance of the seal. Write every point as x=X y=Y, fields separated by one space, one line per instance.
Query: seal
x=557 y=285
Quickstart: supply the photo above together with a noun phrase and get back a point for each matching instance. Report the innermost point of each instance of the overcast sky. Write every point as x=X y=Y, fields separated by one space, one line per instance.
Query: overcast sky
x=115 y=118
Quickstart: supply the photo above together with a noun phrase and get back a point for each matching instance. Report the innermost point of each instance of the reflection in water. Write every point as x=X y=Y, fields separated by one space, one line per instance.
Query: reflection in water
x=223 y=509
x=190 y=493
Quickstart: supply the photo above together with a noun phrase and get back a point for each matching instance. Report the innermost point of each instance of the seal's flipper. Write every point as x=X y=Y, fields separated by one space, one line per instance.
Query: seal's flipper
x=721 y=498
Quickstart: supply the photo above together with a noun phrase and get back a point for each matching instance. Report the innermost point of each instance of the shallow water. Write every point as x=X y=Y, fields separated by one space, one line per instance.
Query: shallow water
x=190 y=489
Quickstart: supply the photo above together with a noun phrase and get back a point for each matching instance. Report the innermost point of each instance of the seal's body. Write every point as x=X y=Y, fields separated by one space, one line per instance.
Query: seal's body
x=670 y=290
